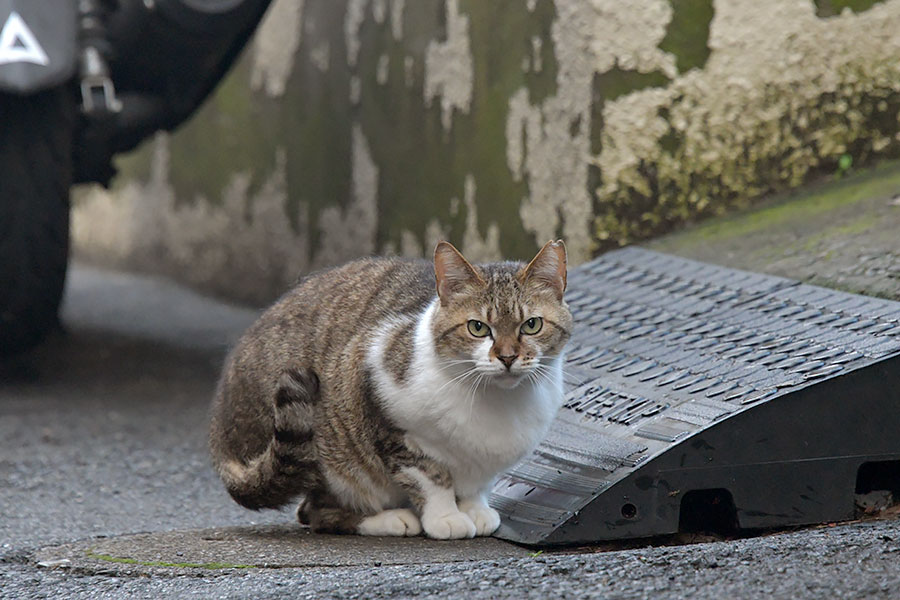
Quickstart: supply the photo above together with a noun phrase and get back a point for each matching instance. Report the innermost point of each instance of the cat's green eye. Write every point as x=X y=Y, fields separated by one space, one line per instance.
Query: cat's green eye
x=479 y=329
x=532 y=325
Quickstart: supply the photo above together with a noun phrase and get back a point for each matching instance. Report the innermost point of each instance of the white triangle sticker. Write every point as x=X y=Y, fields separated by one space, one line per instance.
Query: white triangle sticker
x=18 y=44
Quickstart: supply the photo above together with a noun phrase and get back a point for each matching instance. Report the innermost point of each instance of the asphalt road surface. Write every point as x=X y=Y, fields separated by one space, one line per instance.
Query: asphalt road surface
x=102 y=433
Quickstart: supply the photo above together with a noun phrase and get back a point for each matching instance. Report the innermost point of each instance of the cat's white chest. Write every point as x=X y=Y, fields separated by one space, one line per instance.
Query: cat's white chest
x=479 y=437
x=475 y=429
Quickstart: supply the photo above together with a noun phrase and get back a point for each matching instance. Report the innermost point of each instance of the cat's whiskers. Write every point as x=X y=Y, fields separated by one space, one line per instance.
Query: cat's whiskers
x=457 y=361
x=453 y=365
x=551 y=368
x=469 y=399
x=451 y=380
x=538 y=376
x=458 y=379
x=542 y=374
x=473 y=396
x=478 y=381
x=561 y=367
x=451 y=368
x=545 y=370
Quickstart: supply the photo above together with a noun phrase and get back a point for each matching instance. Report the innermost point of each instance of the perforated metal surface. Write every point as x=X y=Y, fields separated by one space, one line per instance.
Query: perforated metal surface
x=685 y=376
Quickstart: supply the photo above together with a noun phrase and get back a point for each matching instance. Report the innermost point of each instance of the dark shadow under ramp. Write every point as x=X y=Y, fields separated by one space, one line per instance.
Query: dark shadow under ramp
x=694 y=389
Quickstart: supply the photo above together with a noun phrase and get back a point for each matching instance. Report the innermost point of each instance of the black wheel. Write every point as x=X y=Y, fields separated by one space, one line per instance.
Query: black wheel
x=35 y=174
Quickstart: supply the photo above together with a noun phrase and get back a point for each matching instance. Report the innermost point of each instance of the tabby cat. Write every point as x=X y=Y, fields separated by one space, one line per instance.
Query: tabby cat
x=390 y=393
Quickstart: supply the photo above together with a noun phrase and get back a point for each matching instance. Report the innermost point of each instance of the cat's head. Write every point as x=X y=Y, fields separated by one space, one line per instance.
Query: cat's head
x=504 y=321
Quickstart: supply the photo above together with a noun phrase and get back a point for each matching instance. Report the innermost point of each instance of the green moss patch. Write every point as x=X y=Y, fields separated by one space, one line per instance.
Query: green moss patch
x=840 y=234
x=830 y=8
x=717 y=167
x=801 y=206
x=158 y=563
x=687 y=36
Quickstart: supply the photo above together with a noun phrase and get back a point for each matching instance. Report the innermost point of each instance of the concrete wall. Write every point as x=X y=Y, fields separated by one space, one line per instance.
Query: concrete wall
x=358 y=126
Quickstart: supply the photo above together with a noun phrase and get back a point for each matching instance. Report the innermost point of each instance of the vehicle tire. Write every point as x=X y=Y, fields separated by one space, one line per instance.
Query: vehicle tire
x=36 y=135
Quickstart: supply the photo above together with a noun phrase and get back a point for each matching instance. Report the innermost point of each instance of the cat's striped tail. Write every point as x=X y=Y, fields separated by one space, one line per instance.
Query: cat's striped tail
x=288 y=467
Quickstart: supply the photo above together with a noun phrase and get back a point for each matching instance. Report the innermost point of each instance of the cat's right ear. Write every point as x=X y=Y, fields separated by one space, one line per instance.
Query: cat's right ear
x=548 y=268
x=452 y=272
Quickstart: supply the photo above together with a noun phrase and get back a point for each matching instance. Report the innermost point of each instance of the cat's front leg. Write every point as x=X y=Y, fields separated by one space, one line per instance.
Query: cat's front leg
x=433 y=495
x=429 y=486
x=486 y=519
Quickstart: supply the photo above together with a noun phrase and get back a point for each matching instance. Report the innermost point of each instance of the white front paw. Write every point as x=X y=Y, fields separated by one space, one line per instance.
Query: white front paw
x=395 y=522
x=453 y=526
x=486 y=519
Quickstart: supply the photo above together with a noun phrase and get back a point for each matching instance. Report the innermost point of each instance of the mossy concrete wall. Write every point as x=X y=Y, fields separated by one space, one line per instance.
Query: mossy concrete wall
x=358 y=126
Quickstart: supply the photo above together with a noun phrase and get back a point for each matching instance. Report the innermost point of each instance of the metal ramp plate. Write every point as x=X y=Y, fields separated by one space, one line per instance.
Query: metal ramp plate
x=687 y=377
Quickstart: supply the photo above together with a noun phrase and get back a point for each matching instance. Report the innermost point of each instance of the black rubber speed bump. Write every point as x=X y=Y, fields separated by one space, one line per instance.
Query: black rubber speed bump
x=701 y=397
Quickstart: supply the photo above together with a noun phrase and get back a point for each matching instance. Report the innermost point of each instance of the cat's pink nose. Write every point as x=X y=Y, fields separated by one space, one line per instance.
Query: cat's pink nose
x=508 y=360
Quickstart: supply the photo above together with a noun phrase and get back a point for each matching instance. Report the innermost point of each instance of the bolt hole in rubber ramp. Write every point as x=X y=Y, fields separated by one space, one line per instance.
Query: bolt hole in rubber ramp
x=706 y=398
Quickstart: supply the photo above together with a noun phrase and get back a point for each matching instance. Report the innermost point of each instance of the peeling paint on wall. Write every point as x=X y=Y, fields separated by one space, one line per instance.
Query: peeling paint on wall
x=536 y=64
x=350 y=232
x=358 y=126
x=381 y=72
x=247 y=237
x=379 y=10
x=549 y=143
x=410 y=247
x=275 y=44
x=320 y=56
x=355 y=17
x=476 y=247
x=448 y=67
x=397 y=7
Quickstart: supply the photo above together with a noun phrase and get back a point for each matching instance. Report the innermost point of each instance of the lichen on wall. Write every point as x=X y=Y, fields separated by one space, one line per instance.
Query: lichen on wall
x=782 y=96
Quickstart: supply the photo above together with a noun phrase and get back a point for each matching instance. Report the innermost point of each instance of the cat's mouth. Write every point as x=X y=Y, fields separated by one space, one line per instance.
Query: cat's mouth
x=508 y=379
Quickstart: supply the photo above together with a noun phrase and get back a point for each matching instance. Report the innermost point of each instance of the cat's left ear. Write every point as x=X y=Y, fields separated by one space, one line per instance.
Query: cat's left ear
x=548 y=268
